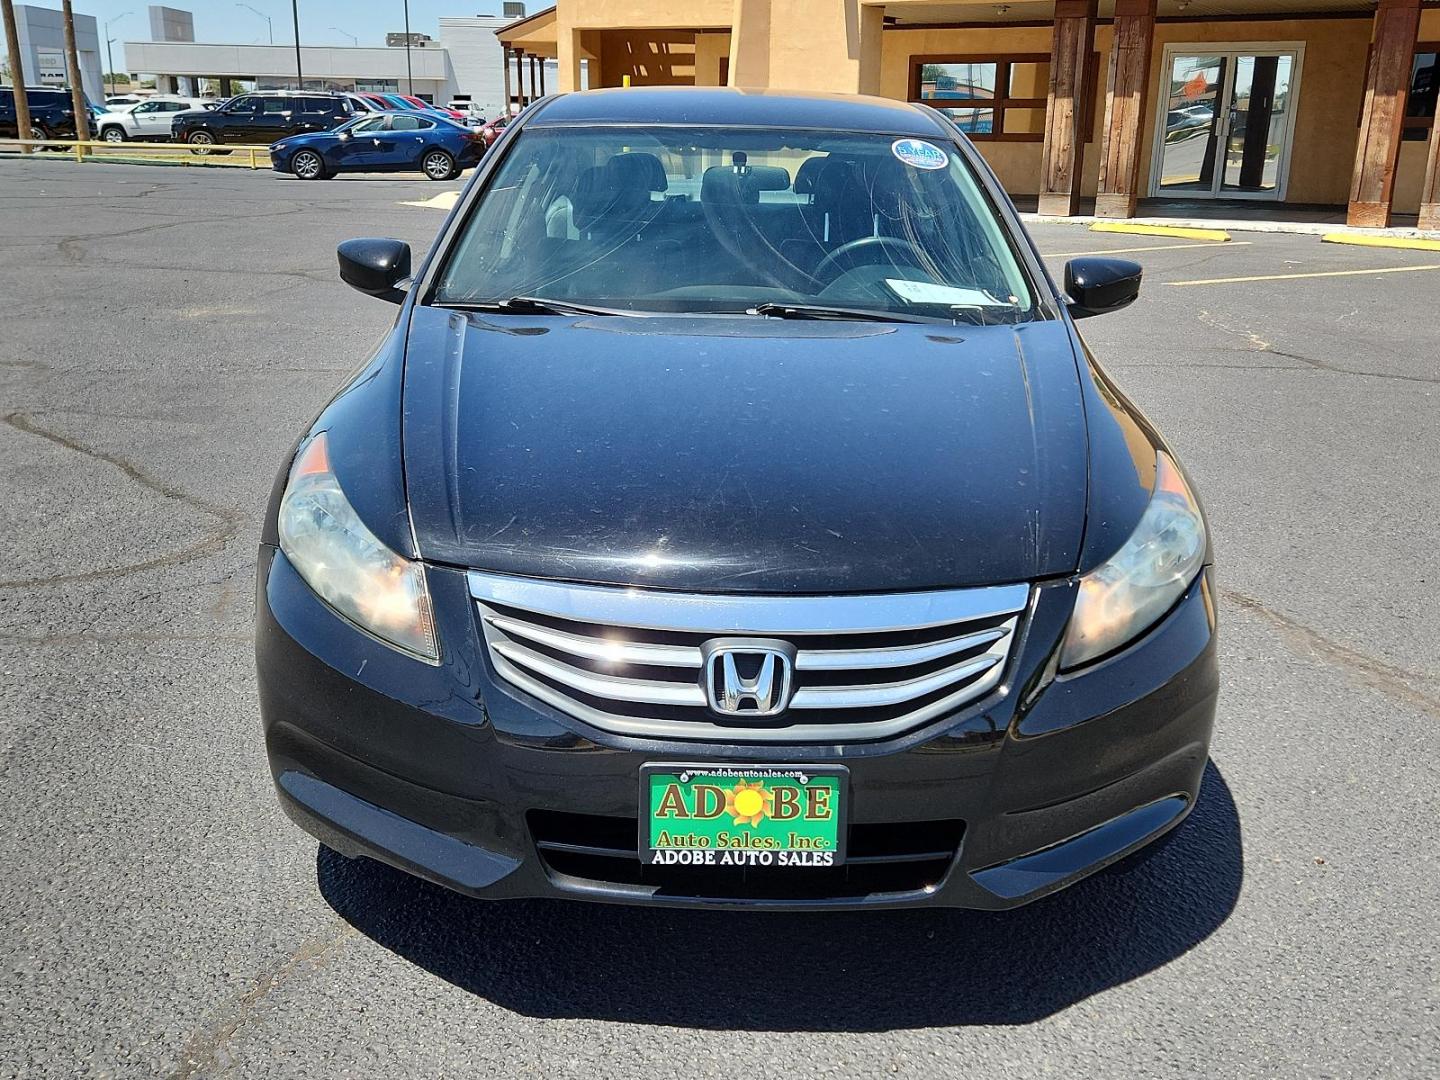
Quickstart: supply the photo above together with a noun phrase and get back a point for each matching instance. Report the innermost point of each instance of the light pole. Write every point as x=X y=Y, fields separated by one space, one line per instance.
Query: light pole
x=295 y=14
x=109 y=55
x=409 y=76
x=268 y=24
x=354 y=41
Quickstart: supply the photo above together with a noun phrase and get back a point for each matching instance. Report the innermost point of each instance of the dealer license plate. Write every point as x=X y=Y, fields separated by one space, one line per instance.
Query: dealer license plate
x=741 y=816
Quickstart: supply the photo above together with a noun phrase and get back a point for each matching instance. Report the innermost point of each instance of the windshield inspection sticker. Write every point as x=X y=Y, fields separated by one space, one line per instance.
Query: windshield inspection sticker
x=919 y=154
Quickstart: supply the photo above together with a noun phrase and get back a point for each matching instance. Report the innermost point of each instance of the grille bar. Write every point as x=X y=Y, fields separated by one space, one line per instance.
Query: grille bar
x=610 y=651
x=597 y=685
x=633 y=661
x=903 y=656
x=852 y=697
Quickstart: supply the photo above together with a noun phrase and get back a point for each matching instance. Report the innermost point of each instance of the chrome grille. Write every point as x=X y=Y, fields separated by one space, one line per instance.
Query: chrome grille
x=632 y=661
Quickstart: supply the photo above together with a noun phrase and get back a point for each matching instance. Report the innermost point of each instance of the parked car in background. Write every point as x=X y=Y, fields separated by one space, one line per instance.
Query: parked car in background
x=260 y=117
x=52 y=113
x=122 y=99
x=473 y=112
x=382 y=142
x=365 y=103
x=146 y=121
x=492 y=129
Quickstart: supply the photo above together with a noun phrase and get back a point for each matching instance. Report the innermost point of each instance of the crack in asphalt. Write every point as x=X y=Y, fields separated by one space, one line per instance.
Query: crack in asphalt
x=120 y=638
x=229 y=520
x=202 y=1050
x=66 y=245
x=1259 y=344
x=1376 y=674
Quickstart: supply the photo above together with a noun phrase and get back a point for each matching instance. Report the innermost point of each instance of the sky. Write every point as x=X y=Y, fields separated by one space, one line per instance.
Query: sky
x=227 y=22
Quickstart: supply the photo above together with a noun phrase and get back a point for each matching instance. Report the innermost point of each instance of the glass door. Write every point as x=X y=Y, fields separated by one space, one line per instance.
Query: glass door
x=1226 y=122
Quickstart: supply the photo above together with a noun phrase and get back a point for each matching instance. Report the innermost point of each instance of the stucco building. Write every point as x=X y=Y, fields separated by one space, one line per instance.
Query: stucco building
x=1327 y=102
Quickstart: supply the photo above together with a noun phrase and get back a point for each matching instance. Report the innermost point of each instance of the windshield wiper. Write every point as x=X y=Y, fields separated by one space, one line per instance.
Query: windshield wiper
x=819 y=311
x=537 y=305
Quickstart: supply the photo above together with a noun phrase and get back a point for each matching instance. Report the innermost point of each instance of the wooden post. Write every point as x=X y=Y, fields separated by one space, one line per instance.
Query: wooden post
x=1126 y=89
x=505 y=68
x=540 y=67
x=1064 y=153
x=1430 y=192
x=1372 y=185
x=77 y=86
x=17 y=74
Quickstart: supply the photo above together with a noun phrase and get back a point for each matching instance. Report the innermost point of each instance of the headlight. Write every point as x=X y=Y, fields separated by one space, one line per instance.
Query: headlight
x=347 y=565
x=1140 y=582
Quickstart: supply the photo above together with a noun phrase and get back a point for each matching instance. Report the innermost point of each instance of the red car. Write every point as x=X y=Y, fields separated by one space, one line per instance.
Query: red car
x=419 y=103
x=492 y=129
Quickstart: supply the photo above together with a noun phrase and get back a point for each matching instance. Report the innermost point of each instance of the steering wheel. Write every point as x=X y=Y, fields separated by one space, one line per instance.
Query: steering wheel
x=846 y=250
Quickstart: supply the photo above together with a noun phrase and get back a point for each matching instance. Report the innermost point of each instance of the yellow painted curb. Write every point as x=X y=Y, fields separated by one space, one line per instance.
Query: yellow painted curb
x=1218 y=235
x=446 y=200
x=1415 y=243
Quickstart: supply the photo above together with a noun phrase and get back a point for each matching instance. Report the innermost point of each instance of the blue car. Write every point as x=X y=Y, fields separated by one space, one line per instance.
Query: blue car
x=381 y=142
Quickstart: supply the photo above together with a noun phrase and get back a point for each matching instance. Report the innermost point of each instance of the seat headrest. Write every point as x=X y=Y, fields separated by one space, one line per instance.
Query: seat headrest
x=591 y=197
x=636 y=169
x=808 y=173
x=723 y=183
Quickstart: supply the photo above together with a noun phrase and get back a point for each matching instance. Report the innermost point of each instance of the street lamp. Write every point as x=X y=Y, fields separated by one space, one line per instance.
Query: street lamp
x=353 y=39
x=269 y=25
x=109 y=55
x=409 y=76
x=299 y=75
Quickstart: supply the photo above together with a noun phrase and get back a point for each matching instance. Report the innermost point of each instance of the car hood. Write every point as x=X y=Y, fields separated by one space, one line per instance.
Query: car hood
x=745 y=454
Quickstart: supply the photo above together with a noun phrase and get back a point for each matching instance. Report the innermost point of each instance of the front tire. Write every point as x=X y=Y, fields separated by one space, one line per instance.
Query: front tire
x=308 y=165
x=113 y=134
x=201 y=142
x=439 y=165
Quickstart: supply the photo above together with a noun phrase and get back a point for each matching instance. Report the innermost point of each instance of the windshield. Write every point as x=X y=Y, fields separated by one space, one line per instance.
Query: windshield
x=676 y=219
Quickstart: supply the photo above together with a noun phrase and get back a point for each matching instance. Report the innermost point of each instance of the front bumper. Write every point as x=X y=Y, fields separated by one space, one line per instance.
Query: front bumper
x=457 y=778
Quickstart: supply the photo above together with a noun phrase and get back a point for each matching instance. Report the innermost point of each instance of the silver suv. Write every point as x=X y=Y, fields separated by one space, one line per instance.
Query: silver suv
x=146 y=120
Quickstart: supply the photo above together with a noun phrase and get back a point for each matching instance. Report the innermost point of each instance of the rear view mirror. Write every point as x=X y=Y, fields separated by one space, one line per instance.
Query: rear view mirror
x=375 y=266
x=1096 y=284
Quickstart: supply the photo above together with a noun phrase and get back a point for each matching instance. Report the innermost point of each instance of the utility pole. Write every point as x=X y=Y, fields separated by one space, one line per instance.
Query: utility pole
x=295 y=14
x=17 y=75
x=77 y=88
x=409 y=78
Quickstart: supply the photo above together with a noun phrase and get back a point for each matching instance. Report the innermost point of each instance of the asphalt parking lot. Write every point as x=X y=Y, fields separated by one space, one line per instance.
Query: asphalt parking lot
x=164 y=335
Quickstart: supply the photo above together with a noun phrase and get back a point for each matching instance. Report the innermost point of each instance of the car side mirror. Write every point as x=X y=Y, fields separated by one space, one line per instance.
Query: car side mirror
x=375 y=266
x=1097 y=284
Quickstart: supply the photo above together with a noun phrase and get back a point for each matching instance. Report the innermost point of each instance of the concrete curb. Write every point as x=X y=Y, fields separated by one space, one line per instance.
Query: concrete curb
x=1299 y=228
x=1416 y=242
x=1140 y=228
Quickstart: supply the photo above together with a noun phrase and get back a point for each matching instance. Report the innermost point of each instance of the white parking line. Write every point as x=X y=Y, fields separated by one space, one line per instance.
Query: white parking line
x=1312 y=274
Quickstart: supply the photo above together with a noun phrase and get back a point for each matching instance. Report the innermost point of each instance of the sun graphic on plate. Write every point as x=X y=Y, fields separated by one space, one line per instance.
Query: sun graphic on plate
x=749 y=803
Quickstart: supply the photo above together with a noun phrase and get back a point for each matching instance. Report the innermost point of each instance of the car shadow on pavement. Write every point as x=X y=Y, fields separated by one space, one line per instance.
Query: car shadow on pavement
x=863 y=971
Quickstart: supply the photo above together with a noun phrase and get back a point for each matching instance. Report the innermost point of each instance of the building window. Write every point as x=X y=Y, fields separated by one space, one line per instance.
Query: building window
x=995 y=98
x=1420 y=101
x=1424 y=82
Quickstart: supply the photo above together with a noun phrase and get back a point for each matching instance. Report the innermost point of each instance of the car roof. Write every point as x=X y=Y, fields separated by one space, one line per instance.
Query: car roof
x=726 y=106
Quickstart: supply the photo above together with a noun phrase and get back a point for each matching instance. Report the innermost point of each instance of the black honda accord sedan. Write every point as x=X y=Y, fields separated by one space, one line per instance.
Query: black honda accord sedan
x=734 y=517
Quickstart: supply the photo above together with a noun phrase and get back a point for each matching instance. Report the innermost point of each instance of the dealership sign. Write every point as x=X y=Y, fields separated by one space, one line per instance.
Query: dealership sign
x=51 y=65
